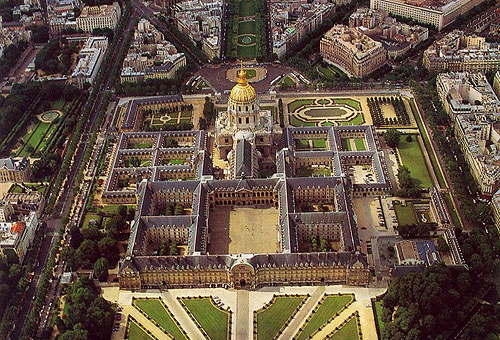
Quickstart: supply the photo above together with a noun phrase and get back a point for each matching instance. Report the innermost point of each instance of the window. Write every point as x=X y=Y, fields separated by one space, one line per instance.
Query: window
x=247 y=120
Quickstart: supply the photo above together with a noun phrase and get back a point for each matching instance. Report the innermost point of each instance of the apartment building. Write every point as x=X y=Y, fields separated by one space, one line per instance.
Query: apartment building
x=459 y=51
x=105 y=16
x=355 y=53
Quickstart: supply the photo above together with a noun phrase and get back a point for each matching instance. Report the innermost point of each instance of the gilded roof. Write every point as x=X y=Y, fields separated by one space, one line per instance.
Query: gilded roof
x=242 y=92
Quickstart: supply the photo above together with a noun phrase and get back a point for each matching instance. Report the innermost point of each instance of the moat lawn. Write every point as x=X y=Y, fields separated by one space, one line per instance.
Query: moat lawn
x=157 y=312
x=413 y=158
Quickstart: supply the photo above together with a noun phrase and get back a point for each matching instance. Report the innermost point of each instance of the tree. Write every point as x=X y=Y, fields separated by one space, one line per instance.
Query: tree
x=122 y=211
x=408 y=186
x=179 y=209
x=87 y=253
x=101 y=269
x=409 y=138
x=392 y=137
x=173 y=248
x=77 y=333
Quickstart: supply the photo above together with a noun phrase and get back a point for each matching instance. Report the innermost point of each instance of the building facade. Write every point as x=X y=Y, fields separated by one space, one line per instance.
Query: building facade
x=436 y=13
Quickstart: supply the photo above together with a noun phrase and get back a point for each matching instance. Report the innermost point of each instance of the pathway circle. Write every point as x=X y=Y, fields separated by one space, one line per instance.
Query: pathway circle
x=50 y=116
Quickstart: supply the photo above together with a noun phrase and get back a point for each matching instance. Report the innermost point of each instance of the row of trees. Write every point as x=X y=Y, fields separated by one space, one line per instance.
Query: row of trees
x=167 y=248
x=10 y=56
x=375 y=106
x=174 y=209
x=319 y=244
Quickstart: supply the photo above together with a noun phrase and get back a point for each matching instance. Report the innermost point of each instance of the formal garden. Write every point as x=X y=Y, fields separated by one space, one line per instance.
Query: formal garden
x=325 y=112
x=353 y=144
x=171 y=118
x=246 y=33
x=213 y=322
x=329 y=307
x=387 y=111
x=158 y=313
x=270 y=321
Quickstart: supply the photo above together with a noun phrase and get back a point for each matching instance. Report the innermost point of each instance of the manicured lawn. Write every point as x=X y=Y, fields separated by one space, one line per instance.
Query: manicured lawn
x=176 y=161
x=112 y=209
x=251 y=73
x=427 y=143
x=157 y=312
x=378 y=317
x=247 y=52
x=270 y=320
x=319 y=144
x=309 y=171
x=288 y=82
x=350 y=102
x=294 y=121
x=247 y=8
x=327 y=309
x=137 y=333
x=302 y=144
x=360 y=144
x=35 y=137
x=246 y=27
x=358 y=120
x=90 y=217
x=405 y=214
x=213 y=320
x=412 y=157
x=145 y=145
x=348 y=332
x=186 y=114
x=293 y=106
x=145 y=163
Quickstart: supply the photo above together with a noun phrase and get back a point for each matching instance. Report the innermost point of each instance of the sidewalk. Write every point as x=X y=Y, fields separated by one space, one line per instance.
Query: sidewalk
x=180 y=314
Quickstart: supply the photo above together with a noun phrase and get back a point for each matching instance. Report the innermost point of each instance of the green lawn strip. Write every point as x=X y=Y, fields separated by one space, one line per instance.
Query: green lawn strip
x=46 y=138
x=360 y=144
x=214 y=321
x=112 y=209
x=413 y=158
x=451 y=209
x=349 y=102
x=293 y=106
x=156 y=310
x=27 y=137
x=326 y=71
x=135 y=332
x=145 y=145
x=58 y=104
x=176 y=161
x=247 y=52
x=16 y=188
x=323 y=313
x=271 y=319
x=427 y=144
x=349 y=331
x=247 y=8
x=34 y=139
x=405 y=214
x=319 y=144
x=246 y=27
x=378 y=318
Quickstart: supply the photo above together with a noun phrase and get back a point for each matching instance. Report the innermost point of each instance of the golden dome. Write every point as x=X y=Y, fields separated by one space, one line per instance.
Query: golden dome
x=242 y=92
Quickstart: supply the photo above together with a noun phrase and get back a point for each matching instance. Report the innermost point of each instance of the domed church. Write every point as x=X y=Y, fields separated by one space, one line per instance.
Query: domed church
x=243 y=132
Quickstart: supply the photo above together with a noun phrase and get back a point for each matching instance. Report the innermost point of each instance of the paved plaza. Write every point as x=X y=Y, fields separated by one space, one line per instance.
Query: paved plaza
x=243 y=231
